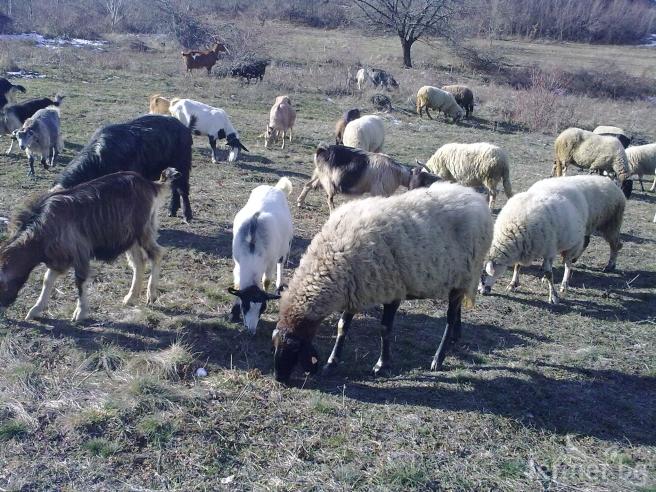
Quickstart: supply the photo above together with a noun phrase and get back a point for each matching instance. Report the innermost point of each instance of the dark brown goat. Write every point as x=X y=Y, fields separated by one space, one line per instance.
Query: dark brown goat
x=99 y=219
x=347 y=117
x=203 y=59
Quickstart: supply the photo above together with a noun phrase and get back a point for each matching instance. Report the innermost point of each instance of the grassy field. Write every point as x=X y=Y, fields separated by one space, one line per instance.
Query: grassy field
x=535 y=398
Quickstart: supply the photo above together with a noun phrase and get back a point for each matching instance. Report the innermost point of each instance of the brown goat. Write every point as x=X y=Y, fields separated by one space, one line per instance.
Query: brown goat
x=158 y=105
x=99 y=219
x=203 y=59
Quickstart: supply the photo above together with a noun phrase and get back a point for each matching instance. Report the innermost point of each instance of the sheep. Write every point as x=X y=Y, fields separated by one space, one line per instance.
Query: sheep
x=281 y=120
x=146 y=145
x=8 y=92
x=41 y=134
x=347 y=117
x=362 y=77
x=555 y=216
x=341 y=169
x=100 y=219
x=587 y=150
x=250 y=70
x=429 y=97
x=642 y=160
x=475 y=164
x=13 y=116
x=262 y=236
x=158 y=105
x=203 y=59
x=423 y=244
x=463 y=96
x=613 y=131
x=366 y=133
x=203 y=119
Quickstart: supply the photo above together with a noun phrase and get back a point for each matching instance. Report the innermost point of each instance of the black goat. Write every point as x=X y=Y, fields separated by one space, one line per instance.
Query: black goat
x=147 y=146
x=250 y=70
x=8 y=91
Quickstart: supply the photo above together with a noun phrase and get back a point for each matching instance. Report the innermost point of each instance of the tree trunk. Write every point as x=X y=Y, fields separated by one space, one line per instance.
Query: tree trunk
x=407 y=59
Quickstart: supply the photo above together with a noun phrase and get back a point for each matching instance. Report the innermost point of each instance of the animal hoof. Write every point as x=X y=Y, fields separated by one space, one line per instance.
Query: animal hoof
x=129 y=300
x=609 y=268
x=512 y=287
x=151 y=298
x=330 y=368
x=554 y=300
x=563 y=289
x=436 y=366
x=33 y=314
x=381 y=370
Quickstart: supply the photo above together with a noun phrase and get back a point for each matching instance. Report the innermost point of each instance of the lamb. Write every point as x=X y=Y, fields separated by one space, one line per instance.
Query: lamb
x=598 y=153
x=463 y=96
x=476 y=164
x=555 y=216
x=262 y=235
x=100 y=219
x=13 y=116
x=429 y=97
x=147 y=145
x=423 y=244
x=8 y=92
x=366 y=133
x=613 y=131
x=41 y=134
x=340 y=169
x=203 y=119
x=158 y=105
x=347 y=117
x=203 y=59
x=642 y=160
x=281 y=120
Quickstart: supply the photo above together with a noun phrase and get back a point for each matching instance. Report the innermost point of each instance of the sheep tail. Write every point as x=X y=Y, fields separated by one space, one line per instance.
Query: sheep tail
x=285 y=185
x=507 y=187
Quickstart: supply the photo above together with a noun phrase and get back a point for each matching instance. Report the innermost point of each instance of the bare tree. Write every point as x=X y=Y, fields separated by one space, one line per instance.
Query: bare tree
x=410 y=19
x=115 y=10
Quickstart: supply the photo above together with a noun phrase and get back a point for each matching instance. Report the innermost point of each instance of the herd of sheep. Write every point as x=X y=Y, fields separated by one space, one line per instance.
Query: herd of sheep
x=437 y=240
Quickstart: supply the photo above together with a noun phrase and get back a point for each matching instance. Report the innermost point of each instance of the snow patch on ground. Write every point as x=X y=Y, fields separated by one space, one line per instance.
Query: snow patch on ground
x=52 y=43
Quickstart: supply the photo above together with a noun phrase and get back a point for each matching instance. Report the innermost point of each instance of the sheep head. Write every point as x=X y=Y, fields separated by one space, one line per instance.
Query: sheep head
x=290 y=350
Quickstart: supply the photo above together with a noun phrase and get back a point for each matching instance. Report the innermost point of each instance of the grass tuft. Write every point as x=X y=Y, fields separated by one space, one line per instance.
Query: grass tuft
x=101 y=447
x=172 y=363
x=13 y=429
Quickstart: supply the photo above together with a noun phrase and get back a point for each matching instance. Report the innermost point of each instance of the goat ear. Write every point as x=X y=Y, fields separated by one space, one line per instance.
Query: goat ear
x=309 y=358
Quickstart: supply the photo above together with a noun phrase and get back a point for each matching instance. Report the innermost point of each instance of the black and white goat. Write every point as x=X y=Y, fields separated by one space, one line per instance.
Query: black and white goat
x=146 y=145
x=13 y=116
x=66 y=229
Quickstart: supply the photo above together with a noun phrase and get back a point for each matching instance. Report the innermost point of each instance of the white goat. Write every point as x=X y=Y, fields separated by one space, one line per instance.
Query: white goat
x=208 y=120
x=281 y=121
x=262 y=235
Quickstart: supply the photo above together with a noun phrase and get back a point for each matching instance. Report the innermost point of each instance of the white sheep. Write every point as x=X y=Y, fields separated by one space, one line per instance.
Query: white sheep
x=423 y=244
x=429 y=97
x=475 y=164
x=262 y=235
x=281 y=121
x=41 y=135
x=642 y=160
x=555 y=216
x=587 y=150
x=362 y=77
x=366 y=133
x=613 y=131
x=207 y=120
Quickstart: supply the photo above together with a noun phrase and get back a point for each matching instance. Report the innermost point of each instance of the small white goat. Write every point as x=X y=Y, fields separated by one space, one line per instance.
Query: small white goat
x=281 y=121
x=262 y=235
x=208 y=120
x=41 y=135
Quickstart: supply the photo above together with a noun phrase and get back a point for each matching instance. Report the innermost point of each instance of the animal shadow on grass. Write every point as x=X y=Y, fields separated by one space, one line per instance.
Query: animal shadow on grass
x=76 y=147
x=642 y=196
x=630 y=238
x=269 y=170
x=220 y=245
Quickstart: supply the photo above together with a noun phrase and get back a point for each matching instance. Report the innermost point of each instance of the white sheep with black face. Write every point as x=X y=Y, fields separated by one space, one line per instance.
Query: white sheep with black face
x=262 y=236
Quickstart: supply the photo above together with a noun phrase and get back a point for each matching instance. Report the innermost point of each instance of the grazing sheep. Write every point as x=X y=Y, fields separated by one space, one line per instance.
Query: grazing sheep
x=347 y=117
x=366 y=133
x=556 y=216
x=642 y=160
x=281 y=120
x=203 y=59
x=476 y=164
x=203 y=119
x=13 y=116
x=100 y=220
x=147 y=145
x=41 y=134
x=340 y=169
x=429 y=97
x=250 y=70
x=158 y=105
x=613 y=131
x=262 y=235
x=598 y=153
x=463 y=95
x=423 y=244
x=8 y=92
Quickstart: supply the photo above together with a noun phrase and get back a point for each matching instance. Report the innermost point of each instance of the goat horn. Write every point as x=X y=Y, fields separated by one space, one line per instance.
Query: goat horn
x=422 y=165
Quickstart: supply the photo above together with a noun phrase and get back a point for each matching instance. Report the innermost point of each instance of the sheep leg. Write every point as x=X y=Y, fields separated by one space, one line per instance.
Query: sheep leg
x=547 y=266
x=566 y=276
x=279 y=274
x=452 y=329
x=31 y=162
x=44 y=162
x=55 y=153
x=342 y=328
x=427 y=113
x=331 y=203
x=11 y=145
x=290 y=135
x=42 y=303
x=653 y=186
x=514 y=283
x=491 y=198
x=310 y=185
x=135 y=260
x=212 y=140
x=642 y=188
x=283 y=140
x=82 y=283
x=389 y=310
